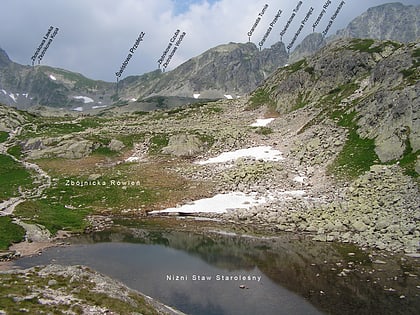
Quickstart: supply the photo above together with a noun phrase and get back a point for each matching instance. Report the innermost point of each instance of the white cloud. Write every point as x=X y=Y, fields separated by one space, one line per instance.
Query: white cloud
x=95 y=35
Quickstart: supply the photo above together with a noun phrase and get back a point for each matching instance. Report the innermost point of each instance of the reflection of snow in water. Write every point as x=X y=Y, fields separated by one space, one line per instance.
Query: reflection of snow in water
x=265 y=153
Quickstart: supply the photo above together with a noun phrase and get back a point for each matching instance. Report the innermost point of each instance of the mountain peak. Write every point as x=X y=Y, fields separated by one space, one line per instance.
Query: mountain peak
x=393 y=21
x=4 y=58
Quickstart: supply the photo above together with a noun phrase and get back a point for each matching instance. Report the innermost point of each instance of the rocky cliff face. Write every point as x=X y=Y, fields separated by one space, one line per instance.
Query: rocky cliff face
x=393 y=21
x=370 y=87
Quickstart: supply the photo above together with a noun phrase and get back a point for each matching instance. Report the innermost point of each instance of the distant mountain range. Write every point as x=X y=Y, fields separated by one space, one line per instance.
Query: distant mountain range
x=226 y=71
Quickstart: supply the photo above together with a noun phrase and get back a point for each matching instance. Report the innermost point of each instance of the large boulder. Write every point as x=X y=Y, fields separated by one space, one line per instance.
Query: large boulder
x=184 y=145
x=116 y=145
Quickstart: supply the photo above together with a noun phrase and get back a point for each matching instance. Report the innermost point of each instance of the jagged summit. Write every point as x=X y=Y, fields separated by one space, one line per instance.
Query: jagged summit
x=4 y=59
x=391 y=21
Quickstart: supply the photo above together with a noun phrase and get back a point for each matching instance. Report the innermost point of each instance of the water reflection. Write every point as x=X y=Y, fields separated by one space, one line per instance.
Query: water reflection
x=291 y=272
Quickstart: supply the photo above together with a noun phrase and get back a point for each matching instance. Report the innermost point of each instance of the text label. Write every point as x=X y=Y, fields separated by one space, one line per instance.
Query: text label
x=130 y=55
x=267 y=33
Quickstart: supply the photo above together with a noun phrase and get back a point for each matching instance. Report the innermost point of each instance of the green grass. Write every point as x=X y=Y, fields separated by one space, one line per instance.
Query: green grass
x=105 y=151
x=52 y=215
x=356 y=157
x=157 y=143
x=16 y=151
x=3 y=136
x=206 y=138
x=260 y=98
x=358 y=154
x=300 y=102
x=294 y=67
x=69 y=202
x=263 y=130
x=336 y=95
x=310 y=70
x=12 y=175
x=365 y=45
x=412 y=74
x=9 y=233
x=58 y=126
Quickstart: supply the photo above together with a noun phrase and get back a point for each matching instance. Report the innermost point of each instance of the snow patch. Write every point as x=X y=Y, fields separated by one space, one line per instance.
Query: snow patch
x=300 y=179
x=13 y=97
x=53 y=77
x=134 y=99
x=99 y=106
x=220 y=203
x=196 y=96
x=228 y=96
x=4 y=92
x=264 y=153
x=85 y=99
x=78 y=109
x=262 y=122
x=132 y=159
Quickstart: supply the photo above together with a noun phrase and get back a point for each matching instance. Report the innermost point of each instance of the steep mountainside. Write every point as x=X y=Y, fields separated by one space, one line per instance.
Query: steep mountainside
x=370 y=87
x=391 y=21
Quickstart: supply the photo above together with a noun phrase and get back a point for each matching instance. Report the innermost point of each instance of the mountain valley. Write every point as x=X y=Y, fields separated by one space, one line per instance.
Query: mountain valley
x=322 y=144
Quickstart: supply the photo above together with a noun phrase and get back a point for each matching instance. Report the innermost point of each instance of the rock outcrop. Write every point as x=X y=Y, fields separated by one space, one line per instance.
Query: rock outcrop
x=391 y=21
x=373 y=85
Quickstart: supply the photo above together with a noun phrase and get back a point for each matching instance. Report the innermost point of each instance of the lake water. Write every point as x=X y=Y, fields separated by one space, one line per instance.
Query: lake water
x=227 y=274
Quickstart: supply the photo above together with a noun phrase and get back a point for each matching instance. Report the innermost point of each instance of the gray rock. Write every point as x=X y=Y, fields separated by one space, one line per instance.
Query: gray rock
x=359 y=226
x=184 y=145
x=116 y=145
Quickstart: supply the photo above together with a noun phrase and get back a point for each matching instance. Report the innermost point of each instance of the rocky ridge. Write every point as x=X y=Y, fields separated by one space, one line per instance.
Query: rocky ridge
x=229 y=70
x=390 y=21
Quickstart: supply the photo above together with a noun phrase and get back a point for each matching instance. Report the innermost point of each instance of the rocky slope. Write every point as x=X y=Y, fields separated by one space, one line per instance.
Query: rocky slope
x=71 y=290
x=371 y=86
x=390 y=21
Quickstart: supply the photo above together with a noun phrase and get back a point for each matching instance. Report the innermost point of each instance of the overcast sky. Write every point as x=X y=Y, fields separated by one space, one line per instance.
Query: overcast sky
x=95 y=36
